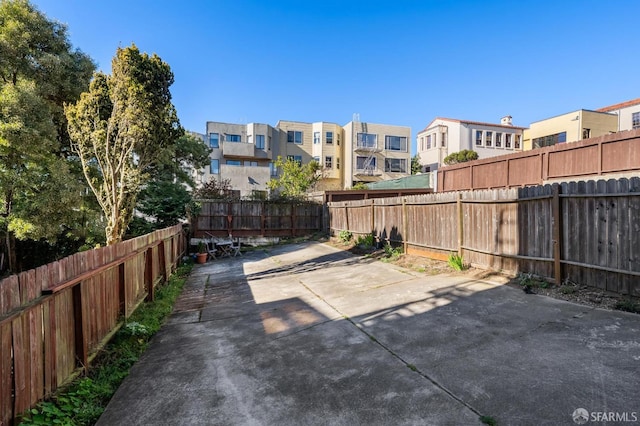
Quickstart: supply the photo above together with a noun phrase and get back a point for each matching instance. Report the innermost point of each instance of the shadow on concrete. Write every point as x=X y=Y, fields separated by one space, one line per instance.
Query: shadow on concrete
x=304 y=334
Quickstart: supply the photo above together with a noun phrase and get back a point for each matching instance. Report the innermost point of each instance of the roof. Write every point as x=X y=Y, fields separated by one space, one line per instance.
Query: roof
x=479 y=123
x=620 y=105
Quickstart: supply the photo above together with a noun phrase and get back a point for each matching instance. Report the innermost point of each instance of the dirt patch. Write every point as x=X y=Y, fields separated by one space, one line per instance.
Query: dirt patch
x=571 y=292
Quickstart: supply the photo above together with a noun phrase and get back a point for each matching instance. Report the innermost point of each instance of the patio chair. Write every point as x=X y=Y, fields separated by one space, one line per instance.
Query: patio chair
x=235 y=246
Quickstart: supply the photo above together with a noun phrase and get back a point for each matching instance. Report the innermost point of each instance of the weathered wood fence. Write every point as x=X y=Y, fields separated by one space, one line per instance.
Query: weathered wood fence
x=586 y=232
x=54 y=317
x=258 y=218
x=614 y=153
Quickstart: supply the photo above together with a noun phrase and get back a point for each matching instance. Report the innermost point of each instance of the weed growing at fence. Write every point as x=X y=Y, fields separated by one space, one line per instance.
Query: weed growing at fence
x=391 y=253
x=84 y=400
x=345 y=236
x=456 y=262
x=365 y=241
x=529 y=281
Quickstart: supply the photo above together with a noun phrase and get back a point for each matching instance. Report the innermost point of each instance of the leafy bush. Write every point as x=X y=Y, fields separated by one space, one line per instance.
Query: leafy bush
x=391 y=252
x=345 y=236
x=456 y=262
x=460 y=157
x=366 y=241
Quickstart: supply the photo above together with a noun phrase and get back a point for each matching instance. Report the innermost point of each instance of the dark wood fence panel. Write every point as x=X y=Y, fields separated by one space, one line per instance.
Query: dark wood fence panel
x=585 y=232
x=613 y=153
x=53 y=317
x=257 y=218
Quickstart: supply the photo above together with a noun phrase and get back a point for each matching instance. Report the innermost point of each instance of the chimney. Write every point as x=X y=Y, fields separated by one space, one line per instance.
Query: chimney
x=506 y=121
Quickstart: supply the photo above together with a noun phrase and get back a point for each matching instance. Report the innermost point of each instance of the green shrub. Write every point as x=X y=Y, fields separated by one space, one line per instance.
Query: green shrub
x=392 y=252
x=366 y=241
x=460 y=157
x=345 y=236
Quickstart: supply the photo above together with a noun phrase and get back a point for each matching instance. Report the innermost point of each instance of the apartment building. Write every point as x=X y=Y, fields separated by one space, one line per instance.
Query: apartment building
x=242 y=153
x=375 y=152
x=444 y=136
x=356 y=152
x=570 y=127
x=628 y=114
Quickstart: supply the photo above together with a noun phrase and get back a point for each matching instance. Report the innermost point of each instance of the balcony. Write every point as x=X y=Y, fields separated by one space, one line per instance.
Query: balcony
x=367 y=147
x=368 y=171
x=243 y=150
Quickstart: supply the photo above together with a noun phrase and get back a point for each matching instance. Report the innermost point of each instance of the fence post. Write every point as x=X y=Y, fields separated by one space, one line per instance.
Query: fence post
x=148 y=274
x=460 y=223
x=262 y=219
x=556 y=225
x=78 y=322
x=373 y=215
x=122 y=290
x=293 y=220
x=346 y=216
x=404 y=225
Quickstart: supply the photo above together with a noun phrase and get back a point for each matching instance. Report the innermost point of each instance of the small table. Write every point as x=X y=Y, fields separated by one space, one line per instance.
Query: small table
x=224 y=247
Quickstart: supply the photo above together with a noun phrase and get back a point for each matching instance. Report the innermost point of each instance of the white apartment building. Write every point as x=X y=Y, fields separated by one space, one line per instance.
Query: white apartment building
x=444 y=136
x=628 y=114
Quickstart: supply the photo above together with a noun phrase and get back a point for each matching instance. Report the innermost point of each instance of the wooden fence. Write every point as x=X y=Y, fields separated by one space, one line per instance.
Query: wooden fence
x=258 y=218
x=54 y=317
x=614 y=153
x=585 y=232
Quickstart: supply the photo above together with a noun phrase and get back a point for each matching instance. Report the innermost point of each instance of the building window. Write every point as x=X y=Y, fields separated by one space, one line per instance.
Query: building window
x=250 y=163
x=296 y=158
x=507 y=140
x=367 y=140
x=488 y=138
x=478 y=137
x=328 y=162
x=586 y=133
x=365 y=163
x=329 y=137
x=395 y=165
x=498 y=140
x=273 y=169
x=260 y=141
x=214 y=167
x=234 y=163
x=428 y=141
x=269 y=143
x=550 y=140
x=316 y=138
x=233 y=138
x=294 y=137
x=214 y=140
x=421 y=142
x=316 y=159
x=635 y=120
x=338 y=139
x=338 y=163
x=395 y=143
x=444 y=139
x=516 y=143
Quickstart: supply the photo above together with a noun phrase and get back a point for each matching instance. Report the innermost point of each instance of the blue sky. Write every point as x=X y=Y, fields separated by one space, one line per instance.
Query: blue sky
x=397 y=62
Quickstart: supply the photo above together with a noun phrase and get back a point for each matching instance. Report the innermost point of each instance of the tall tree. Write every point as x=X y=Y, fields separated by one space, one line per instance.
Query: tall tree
x=122 y=129
x=295 y=179
x=416 y=167
x=39 y=71
x=167 y=198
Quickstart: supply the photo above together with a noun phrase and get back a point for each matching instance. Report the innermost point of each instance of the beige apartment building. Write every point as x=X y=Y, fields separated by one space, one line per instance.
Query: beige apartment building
x=570 y=127
x=356 y=152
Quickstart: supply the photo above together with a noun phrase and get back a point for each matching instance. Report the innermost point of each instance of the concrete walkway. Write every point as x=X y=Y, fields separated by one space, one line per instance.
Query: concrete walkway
x=305 y=334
